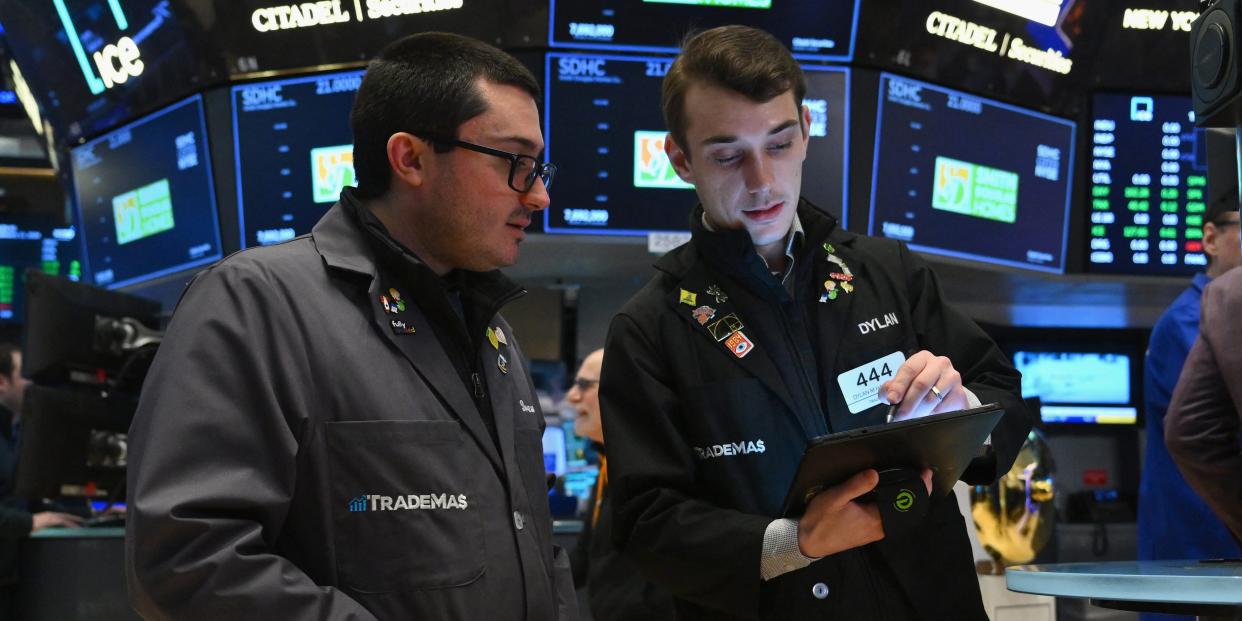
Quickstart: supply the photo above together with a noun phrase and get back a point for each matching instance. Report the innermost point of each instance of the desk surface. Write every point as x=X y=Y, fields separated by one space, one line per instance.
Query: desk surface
x=1184 y=582
x=109 y=532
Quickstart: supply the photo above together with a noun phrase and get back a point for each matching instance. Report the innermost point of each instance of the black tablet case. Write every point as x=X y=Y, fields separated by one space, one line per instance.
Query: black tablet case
x=945 y=442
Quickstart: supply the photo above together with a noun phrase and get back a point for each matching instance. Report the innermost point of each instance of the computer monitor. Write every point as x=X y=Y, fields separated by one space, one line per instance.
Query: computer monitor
x=294 y=152
x=968 y=177
x=61 y=339
x=1098 y=387
x=145 y=197
x=554 y=456
x=73 y=443
x=812 y=30
x=1148 y=189
x=605 y=132
x=51 y=250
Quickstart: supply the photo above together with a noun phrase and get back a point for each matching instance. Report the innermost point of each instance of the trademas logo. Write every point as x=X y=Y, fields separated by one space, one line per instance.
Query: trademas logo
x=729 y=450
x=905 y=500
x=409 y=502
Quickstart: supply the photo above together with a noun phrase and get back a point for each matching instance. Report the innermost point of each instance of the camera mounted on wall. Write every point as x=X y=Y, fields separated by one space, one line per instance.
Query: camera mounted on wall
x=1215 y=78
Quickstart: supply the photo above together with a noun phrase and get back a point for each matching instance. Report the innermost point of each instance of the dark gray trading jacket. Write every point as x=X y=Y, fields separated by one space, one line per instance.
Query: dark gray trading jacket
x=295 y=456
x=703 y=445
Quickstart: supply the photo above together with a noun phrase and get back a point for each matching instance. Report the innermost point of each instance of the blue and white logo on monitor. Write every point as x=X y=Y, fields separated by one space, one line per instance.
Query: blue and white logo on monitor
x=1142 y=109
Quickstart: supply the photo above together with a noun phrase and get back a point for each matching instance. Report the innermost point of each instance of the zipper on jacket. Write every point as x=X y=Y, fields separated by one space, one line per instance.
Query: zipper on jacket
x=807 y=382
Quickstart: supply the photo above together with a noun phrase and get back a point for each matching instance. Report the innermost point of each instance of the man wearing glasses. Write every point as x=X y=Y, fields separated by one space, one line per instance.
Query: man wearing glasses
x=343 y=426
x=1166 y=503
x=617 y=591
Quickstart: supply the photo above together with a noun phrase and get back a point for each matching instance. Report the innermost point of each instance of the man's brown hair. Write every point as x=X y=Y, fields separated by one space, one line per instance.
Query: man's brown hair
x=742 y=59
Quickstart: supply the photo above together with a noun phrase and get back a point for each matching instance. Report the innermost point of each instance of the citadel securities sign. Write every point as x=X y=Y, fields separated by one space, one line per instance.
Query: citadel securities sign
x=328 y=12
x=987 y=39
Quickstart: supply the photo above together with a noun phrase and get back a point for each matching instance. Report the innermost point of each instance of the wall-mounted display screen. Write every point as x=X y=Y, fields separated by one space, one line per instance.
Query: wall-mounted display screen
x=1080 y=387
x=293 y=150
x=262 y=35
x=813 y=30
x=1041 y=54
x=1148 y=186
x=963 y=176
x=22 y=247
x=145 y=197
x=94 y=64
x=605 y=132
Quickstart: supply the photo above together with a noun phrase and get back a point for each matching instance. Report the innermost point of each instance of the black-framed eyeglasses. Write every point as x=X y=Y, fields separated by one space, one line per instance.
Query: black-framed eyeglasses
x=585 y=383
x=523 y=169
x=1223 y=223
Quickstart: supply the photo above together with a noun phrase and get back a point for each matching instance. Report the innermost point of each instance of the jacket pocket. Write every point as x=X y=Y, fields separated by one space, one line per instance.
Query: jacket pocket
x=404 y=516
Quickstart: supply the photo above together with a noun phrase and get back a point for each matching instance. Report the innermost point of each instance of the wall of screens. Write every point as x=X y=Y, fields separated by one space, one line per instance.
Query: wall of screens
x=293 y=152
x=605 y=132
x=968 y=177
x=812 y=30
x=1148 y=189
x=52 y=250
x=146 y=198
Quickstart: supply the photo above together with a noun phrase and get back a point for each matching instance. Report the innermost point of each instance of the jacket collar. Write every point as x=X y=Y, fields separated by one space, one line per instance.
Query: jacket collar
x=349 y=236
x=732 y=251
x=1200 y=281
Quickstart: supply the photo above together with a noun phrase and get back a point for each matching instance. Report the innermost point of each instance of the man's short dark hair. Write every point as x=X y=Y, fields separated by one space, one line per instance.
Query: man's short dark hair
x=742 y=59
x=7 y=351
x=424 y=83
x=1225 y=203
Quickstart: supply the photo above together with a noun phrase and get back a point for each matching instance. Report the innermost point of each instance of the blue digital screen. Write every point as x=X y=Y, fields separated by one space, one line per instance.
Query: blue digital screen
x=145 y=197
x=554 y=455
x=294 y=153
x=812 y=30
x=605 y=132
x=1148 y=190
x=968 y=177
x=23 y=247
x=1079 y=387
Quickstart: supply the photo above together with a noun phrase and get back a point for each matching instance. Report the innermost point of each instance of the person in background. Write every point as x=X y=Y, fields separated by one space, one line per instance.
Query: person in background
x=618 y=592
x=1202 y=428
x=1167 y=504
x=15 y=521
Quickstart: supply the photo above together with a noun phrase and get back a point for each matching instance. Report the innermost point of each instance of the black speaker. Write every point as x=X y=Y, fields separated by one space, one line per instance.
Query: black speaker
x=1214 y=76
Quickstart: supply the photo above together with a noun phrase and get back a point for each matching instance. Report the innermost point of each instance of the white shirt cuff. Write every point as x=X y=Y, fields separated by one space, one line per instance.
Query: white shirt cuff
x=781 y=553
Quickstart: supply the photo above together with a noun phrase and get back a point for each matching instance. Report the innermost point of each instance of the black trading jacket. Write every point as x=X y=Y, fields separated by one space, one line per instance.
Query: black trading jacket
x=703 y=444
x=300 y=452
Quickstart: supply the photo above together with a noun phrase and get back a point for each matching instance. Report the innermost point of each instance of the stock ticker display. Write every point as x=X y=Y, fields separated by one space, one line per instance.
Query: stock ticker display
x=146 y=197
x=23 y=247
x=605 y=132
x=1148 y=186
x=812 y=30
x=963 y=176
x=293 y=149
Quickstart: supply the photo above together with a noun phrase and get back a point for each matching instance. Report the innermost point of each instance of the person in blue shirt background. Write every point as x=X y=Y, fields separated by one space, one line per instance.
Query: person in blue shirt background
x=1173 y=521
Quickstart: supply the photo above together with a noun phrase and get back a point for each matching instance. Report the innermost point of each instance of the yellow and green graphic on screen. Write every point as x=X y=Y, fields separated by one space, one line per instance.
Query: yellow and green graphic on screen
x=736 y=4
x=332 y=168
x=975 y=190
x=651 y=166
x=142 y=212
